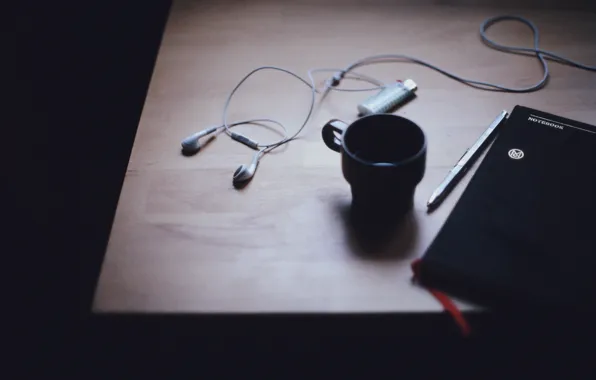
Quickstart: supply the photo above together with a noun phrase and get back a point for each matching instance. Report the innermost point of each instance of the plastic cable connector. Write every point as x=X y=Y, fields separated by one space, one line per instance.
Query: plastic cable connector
x=211 y=130
x=336 y=79
x=245 y=140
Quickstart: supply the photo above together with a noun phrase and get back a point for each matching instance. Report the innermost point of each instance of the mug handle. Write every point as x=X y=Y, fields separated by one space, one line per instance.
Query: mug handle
x=330 y=131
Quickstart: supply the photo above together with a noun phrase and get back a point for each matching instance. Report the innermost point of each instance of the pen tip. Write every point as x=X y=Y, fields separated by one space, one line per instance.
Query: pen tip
x=430 y=207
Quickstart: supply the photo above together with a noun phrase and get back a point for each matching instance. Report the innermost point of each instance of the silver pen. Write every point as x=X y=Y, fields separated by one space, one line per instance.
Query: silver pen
x=465 y=162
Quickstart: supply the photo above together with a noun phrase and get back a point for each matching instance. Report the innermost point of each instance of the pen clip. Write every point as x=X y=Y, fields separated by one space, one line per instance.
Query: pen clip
x=483 y=138
x=461 y=159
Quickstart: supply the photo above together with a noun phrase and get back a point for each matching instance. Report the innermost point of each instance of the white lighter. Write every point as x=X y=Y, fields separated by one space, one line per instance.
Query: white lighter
x=388 y=98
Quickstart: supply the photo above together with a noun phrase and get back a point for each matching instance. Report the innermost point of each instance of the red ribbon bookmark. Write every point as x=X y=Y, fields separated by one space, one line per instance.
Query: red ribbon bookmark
x=446 y=302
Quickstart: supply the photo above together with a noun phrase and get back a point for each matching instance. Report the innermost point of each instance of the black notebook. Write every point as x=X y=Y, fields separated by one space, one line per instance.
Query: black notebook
x=524 y=230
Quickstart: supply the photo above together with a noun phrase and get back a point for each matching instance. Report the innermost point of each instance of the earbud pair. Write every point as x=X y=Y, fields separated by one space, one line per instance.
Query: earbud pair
x=244 y=173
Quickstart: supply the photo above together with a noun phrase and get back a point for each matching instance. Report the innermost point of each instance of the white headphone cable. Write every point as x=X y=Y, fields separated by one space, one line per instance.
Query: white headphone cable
x=332 y=83
x=542 y=56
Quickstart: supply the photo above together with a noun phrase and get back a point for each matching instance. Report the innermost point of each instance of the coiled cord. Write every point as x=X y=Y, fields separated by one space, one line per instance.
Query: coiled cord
x=332 y=83
x=265 y=148
x=542 y=55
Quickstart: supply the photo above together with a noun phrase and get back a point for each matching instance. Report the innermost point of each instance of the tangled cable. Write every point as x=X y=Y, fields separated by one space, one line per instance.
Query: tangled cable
x=332 y=84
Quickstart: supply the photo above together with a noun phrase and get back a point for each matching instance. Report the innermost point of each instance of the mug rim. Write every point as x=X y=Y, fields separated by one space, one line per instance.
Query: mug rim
x=385 y=164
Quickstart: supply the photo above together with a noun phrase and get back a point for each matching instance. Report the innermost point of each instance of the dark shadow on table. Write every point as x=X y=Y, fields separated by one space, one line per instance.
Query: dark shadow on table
x=378 y=239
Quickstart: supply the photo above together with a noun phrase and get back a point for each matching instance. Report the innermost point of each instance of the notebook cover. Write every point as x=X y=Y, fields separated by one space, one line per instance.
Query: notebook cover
x=524 y=230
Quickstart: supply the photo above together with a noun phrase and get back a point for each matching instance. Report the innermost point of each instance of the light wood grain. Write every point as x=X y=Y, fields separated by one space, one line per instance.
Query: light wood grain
x=184 y=240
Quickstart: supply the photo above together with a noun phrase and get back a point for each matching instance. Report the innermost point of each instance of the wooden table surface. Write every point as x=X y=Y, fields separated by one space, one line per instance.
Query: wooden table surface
x=184 y=240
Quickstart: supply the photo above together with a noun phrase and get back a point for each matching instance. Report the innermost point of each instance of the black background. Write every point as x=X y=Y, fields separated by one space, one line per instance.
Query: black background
x=82 y=75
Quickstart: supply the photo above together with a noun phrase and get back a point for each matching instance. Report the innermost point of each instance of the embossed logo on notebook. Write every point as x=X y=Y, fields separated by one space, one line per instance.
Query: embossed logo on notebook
x=516 y=154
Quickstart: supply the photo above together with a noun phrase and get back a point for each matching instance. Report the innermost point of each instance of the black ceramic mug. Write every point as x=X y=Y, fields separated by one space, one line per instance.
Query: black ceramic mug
x=383 y=158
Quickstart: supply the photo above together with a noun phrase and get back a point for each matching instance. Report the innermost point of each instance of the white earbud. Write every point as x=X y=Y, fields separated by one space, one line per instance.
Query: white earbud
x=244 y=173
x=191 y=143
